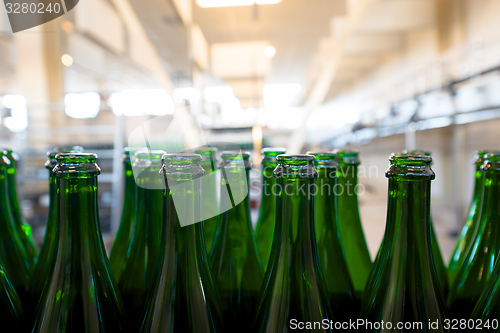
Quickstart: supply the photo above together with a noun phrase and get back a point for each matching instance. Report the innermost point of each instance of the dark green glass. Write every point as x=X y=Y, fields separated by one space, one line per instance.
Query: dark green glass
x=81 y=295
x=351 y=230
x=480 y=256
x=264 y=230
x=293 y=288
x=331 y=254
x=137 y=278
x=22 y=227
x=45 y=264
x=467 y=234
x=404 y=286
x=235 y=262
x=12 y=316
x=436 y=251
x=118 y=256
x=12 y=254
x=209 y=189
x=185 y=298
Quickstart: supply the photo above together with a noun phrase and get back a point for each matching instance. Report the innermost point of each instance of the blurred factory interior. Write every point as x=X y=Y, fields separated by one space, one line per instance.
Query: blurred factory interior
x=374 y=75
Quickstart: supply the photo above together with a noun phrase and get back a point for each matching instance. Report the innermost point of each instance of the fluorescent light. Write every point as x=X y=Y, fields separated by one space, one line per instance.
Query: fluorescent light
x=233 y=3
x=279 y=95
x=138 y=102
x=82 y=106
x=18 y=120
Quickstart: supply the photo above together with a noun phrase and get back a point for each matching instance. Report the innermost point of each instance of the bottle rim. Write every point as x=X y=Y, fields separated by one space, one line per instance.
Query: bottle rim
x=491 y=162
x=347 y=156
x=76 y=165
x=207 y=151
x=324 y=159
x=410 y=167
x=292 y=166
x=52 y=153
x=417 y=152
x=181 y=159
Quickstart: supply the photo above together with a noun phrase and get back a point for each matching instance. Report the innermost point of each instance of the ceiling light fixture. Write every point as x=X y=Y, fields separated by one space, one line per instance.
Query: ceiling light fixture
x=270 y=51
x=233 y=3
x=67 y=60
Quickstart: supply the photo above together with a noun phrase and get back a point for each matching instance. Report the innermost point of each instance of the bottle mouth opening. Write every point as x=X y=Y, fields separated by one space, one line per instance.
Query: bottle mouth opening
x=147 y=158
x=417 y=152
x=295 y=166
x=324 y=159
x=273 y=151
x=76 y=165
x=482 y=155
x=181 y=167
x=76 y=158
x=51 y=154
x=181 y=159
x=491 y=162
x=4 y=160
x=235 y=159
x=410 y=159
x=295 y=159
x=347 y=156
x=207 y=151
x=235 y=155
x=11 y=155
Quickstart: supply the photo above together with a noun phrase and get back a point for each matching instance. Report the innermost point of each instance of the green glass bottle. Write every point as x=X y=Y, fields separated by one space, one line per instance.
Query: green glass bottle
x=331 y=254
x=482 y=253
x=351 y=231
x=45 y=264
x=12 y=315
x=403 y=286
x=137 y=278
x=436 y=251
x=13 y=256
x=294 y=290
x=264 y=230
x=118 y=255
x=209 y=189
x=184 y=297
x=22 y=227
x=466 y=235
x=81 y=295
x=235 y=262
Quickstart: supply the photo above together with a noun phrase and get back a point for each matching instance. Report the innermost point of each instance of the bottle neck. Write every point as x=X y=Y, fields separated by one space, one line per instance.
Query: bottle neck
x=325 y=194
x=11 y=188
x=491 y=195
x=4 y=203
x=52 y=195
x=236 y=199
x=478 y=183
x=408 y=218
x=188 y=240
x=129 y=182
x=268 y=185
x=295 y=213
x=347 y=175
x=78 y=222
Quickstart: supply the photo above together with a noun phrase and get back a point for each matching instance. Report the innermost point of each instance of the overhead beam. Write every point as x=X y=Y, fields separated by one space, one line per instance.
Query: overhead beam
x=326 y=76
